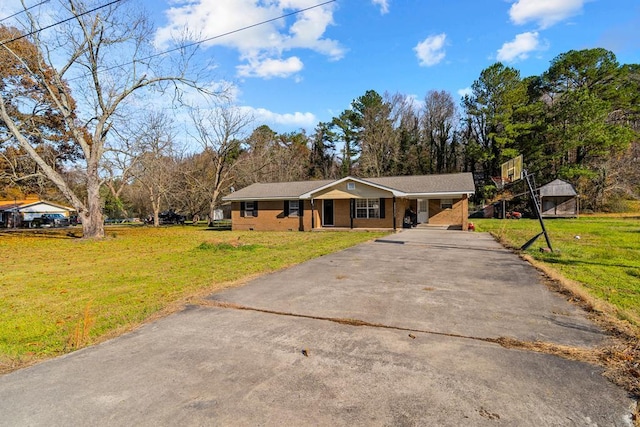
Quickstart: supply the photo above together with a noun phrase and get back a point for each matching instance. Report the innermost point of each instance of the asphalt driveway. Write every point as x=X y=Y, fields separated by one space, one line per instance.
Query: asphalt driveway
x=395 y=332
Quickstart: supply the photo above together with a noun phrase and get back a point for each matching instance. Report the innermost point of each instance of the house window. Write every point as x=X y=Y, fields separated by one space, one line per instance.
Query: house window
x=249 y=208
x=446 y=204
x=294 y=207
x=351 y=185
x=367 y=208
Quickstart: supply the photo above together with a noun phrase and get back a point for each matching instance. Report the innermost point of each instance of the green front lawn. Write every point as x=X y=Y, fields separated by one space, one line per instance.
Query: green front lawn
x=59 y=292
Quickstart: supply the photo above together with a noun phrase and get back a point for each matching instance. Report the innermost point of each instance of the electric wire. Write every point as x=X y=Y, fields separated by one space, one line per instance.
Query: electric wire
x=58 y=23
x=24 y=10
x=198 y=42
x=183 y=46
x=240 y=29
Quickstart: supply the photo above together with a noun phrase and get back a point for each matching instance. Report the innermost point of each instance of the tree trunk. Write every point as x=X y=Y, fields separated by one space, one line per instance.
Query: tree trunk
x=155 y=206
x=212 y=207
x=92 y=218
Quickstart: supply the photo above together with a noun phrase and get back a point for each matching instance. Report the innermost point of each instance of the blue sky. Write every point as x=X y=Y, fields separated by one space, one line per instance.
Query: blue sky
x=294 y=72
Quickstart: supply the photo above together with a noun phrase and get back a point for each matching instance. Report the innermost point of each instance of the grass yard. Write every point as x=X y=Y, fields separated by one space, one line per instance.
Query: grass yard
x=59 y=293
x=601 y=253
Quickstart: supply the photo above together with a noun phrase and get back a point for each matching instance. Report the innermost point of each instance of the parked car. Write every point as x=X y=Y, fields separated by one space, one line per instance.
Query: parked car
x=171 y=217
x=53 y=220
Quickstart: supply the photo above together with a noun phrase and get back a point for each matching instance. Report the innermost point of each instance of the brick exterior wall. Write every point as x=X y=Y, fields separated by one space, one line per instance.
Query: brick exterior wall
x=386 y=222
x=455 y=216
x=271 y=215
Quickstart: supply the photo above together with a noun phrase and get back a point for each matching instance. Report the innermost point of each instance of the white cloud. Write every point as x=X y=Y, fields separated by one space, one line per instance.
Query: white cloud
x=292 y=120
x=383 y=4
x=430 y=51
x=464 y=91
x=261 y=46
x=544 y=12
x=269 y=68
x=417 y=103
x=520 y=47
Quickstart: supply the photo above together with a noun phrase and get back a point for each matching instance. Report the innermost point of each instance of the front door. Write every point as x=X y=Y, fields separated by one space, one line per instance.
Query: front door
x=423 y=211
x=327 y=213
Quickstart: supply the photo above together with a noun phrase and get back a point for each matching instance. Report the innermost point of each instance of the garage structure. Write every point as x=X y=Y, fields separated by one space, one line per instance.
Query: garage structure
x=353 y=203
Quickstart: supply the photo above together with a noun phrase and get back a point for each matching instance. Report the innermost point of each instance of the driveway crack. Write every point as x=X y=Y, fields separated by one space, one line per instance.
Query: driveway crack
x=568 y=352
x=617 y=359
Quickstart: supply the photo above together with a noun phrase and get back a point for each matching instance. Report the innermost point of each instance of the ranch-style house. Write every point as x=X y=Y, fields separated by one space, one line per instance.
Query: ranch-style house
x=385 y=202
x=25 y=213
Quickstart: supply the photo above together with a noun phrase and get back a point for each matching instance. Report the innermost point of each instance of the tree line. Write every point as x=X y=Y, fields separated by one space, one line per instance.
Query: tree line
x=578 y=121
x=73 y=132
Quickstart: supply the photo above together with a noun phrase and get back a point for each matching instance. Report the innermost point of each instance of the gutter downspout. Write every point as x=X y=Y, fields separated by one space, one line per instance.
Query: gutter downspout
x=394 y=213
x=352 y=208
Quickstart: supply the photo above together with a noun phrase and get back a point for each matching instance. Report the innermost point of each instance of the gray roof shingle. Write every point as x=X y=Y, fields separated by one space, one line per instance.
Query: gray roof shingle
x=557 y=188
x=276 y=190
x=415 y=184
x=443 y=183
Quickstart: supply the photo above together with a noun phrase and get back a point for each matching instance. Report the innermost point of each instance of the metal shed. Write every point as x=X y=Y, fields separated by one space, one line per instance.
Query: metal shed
x=558 y=199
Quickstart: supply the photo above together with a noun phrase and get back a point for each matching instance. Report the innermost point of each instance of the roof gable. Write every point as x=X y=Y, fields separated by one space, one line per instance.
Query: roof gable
x=42 y=206
x=33 y=206
x=342 y=186
x=557 y=187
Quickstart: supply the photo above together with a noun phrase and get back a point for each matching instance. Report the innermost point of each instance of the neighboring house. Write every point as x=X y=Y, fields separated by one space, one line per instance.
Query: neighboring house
x=558 y=199
x=353 y=203
x=21 y=213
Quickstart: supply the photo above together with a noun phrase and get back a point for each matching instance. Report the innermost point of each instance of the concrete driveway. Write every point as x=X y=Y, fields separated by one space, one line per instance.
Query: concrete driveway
x=394 y=332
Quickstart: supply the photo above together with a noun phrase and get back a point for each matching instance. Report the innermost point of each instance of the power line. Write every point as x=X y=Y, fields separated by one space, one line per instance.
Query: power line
x=58 y=23
x=240 y=29
x=24 y=10
x=215 y=37
x=169 y=50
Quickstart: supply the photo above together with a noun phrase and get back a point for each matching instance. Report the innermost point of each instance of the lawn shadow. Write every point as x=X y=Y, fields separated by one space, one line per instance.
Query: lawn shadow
x=55 y=233
x=578 y=262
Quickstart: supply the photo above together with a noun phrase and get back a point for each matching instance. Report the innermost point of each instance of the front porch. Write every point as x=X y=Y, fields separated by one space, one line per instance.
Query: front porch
x=390 y=213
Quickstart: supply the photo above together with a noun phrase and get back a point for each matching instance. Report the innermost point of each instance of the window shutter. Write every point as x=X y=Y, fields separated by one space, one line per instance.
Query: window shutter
x=255 y=208
x=301 y=208
x=242 y=208
x=286 y=208
x=353 y=208
x=382 y=208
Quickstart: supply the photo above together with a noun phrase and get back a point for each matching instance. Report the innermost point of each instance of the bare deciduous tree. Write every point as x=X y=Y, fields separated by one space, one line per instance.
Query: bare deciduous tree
x=105 y=55
x=376 y=136
x=438 y=126
x=219 y=132
x=156 y=167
